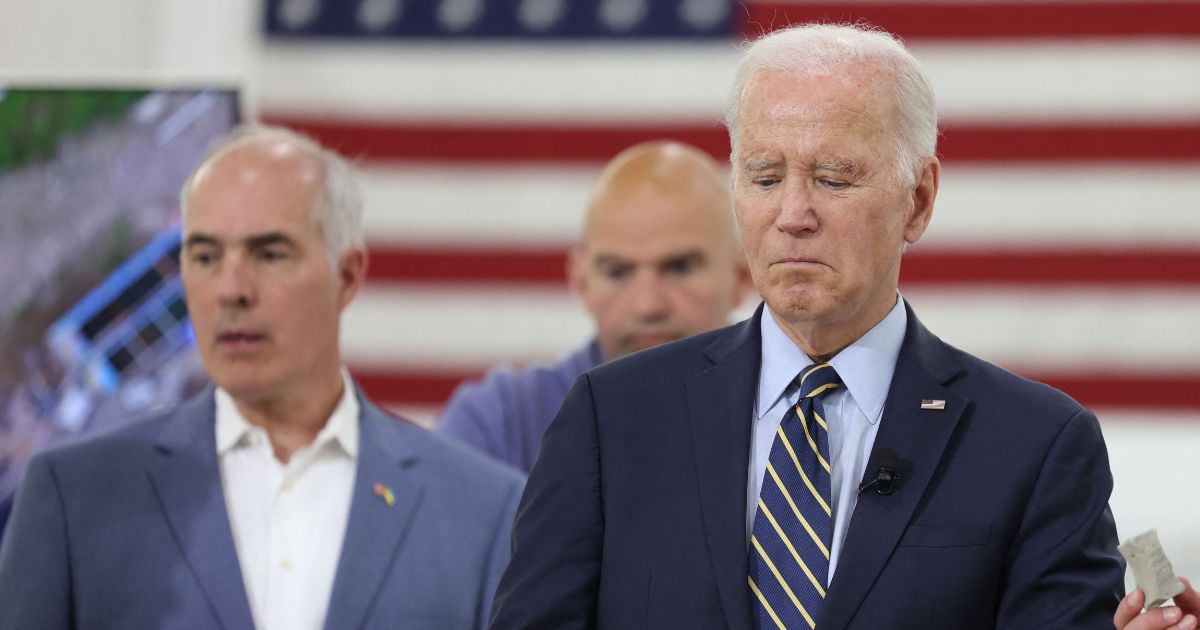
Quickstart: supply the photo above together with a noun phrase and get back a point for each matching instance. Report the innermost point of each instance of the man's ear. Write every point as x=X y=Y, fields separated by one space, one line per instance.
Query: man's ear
x=923 y=196
x=577 y=270
x=352 y=274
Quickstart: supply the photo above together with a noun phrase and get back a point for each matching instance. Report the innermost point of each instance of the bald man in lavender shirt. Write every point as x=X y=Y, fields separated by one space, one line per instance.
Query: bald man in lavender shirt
x=659 y=261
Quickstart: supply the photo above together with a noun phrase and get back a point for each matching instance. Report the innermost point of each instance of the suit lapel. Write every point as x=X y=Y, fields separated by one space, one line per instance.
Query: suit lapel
x=187 y=481
x=720 y=401
x=918 y=438
x=375 y=529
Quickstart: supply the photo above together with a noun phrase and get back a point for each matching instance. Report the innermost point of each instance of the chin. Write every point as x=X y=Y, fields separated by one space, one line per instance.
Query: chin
x=798 y=304
x=243 y=383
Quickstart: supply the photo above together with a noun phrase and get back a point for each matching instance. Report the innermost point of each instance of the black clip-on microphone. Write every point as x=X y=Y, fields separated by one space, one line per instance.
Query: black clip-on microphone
x=884 y=482
x=886 y=478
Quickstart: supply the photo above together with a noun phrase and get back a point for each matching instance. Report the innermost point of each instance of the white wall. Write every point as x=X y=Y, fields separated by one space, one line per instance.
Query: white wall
x=169 y=40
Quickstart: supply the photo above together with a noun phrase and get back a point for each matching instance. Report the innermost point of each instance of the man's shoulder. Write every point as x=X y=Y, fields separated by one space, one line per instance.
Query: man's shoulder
x=505 y=382
x=986 y=382
x=446 y=457
x=123 y=443
x=677 y=360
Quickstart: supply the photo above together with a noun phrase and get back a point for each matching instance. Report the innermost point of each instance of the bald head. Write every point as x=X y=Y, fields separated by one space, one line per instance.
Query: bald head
x=659 y=258
x=685 y=179
x=335 y=201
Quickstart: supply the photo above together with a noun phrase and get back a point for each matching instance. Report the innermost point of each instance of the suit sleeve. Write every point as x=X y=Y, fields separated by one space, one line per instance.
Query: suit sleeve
x=484 y=415
x=463 y=421
x=552 y=579
x=1064 y=568
x=35 y=590
x=499 y=554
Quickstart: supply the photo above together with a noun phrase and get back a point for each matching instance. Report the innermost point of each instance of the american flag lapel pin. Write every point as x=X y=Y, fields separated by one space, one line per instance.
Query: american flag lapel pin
x=385 y=493
x=933 y=404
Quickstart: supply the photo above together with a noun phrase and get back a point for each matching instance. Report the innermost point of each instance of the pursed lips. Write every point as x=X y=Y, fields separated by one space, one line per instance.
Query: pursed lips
x=799 y=260
x=240 y=338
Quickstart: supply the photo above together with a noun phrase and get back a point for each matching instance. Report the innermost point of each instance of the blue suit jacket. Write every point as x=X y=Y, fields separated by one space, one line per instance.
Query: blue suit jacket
x=128 y=529
x=634 y=515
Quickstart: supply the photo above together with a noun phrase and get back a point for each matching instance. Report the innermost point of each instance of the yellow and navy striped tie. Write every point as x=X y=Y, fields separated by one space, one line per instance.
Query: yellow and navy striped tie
x=793 y=528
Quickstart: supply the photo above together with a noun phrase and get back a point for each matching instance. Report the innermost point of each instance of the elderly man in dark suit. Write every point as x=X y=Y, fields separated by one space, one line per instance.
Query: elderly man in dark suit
x=829 y=463
x=281 y=498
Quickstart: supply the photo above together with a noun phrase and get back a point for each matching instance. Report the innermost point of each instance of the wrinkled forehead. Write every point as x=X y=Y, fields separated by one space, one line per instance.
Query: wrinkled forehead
x=820 y=92
x=814 y=112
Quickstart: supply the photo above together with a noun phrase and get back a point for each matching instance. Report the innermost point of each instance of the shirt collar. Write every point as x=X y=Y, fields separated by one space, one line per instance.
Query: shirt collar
x=341 y=427
x=865 y=366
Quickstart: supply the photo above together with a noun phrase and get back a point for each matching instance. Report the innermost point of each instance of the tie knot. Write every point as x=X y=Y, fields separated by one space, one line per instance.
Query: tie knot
x=818 y=380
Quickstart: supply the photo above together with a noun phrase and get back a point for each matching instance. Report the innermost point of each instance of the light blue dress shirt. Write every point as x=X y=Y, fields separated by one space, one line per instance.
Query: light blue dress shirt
x=852 y=413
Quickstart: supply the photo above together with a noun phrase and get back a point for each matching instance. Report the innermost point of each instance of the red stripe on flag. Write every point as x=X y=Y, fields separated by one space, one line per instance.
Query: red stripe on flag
x=451 y=265
x=454 y=265
x=410 y=386
x=495 y=142
x=1071 y=143
x=1180 y=391
x=987 y=20
x=526 y=142
x=1140 y=268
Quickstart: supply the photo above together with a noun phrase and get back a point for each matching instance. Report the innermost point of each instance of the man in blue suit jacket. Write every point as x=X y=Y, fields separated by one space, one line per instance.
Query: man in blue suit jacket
x=829 y=463
x=281 y=498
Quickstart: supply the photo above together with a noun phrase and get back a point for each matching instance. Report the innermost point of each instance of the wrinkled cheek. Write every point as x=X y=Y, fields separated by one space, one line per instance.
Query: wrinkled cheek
x=759 y=270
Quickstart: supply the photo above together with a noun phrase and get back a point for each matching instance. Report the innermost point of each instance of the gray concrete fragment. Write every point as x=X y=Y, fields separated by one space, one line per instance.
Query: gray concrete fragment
x=1152 y=570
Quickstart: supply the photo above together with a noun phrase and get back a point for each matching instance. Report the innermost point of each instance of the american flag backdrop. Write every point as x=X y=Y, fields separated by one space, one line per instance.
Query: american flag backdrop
x=1065 y=243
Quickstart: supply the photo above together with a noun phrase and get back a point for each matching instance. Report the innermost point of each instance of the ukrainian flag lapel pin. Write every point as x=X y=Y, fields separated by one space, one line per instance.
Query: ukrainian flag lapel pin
x=385 y=493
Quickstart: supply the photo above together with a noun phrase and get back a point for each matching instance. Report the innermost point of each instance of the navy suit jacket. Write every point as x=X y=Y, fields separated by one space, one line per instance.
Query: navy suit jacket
x=5 y=508
x=634 y=515
x=129 y=529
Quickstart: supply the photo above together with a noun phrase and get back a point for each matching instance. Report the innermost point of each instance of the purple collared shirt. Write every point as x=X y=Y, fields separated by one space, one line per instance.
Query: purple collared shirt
x=506 y=413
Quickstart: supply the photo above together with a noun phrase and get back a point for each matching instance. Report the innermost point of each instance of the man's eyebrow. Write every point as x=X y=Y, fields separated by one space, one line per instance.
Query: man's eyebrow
x=196 y=240
x=844 y=166
x=691 y=255
x=609 y=260
x=759 y=164
x=259 y=241
x=256 y=241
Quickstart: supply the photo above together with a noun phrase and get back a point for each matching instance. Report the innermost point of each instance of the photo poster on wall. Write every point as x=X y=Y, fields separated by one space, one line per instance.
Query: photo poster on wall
x=93 y=326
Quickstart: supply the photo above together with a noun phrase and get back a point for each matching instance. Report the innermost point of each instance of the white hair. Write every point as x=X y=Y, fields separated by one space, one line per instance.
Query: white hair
x=813 y=48
x=338 y=211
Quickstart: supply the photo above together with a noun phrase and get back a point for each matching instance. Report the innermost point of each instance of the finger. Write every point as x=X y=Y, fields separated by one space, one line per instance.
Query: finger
x=1165 y=618
x=1187 y=623
x=1129 y=608
x=1189 y=599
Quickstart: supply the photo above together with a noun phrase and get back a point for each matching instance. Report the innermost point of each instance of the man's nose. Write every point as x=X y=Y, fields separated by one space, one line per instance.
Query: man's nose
x=797 y=212
x=236 y=287
x=650 y=296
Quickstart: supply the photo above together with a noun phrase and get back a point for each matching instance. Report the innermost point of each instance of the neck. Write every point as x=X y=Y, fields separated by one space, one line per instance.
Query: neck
x=822 y=340
x=293 y=421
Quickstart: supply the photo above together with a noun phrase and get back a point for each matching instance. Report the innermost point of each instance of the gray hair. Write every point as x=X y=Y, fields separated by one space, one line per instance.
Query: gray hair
x=811 y=48
x=339 y=210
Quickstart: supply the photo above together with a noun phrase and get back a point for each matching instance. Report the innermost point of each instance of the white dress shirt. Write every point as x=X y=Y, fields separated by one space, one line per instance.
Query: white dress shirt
x=852 y=412
x=288 y=520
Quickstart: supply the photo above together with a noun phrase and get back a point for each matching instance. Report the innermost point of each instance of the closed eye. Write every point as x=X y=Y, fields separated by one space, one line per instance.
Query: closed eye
x=765 y=182
x=833 y=184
